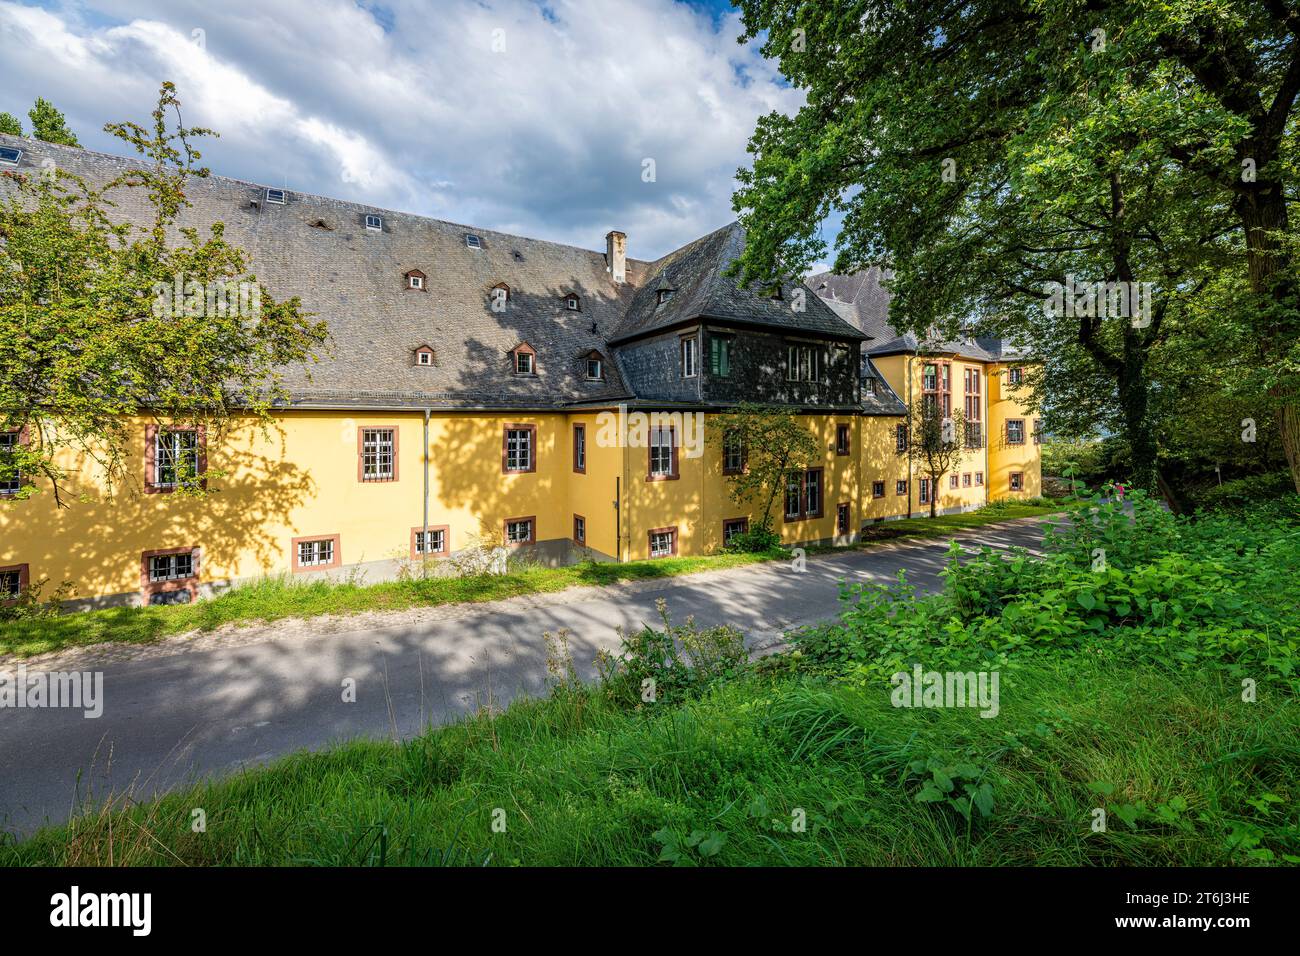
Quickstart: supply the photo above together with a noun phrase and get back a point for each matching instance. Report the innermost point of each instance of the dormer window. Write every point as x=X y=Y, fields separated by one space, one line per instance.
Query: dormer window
x=276 y=196
x=665 y=295
x=415 y=280
x=375 y=223
x=573 y=303
x=425 y=355
x=499 y=296
x=524 y=360
x=595 y=367
x=10 y=156
x=473 y=241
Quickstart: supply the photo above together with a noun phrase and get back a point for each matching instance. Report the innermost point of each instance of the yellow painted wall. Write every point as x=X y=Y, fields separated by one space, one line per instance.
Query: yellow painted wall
x=1007 y=401
x=298 y=478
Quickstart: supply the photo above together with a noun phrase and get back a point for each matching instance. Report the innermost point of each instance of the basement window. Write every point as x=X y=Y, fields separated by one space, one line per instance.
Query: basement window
x=375 y=223
x=276 y=196
x=171 y=567
x=315 y=554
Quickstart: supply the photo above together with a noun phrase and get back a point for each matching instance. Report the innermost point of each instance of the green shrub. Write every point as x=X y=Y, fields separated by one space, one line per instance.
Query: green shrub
x=1240 y=494
x=670 y=665
x=755 y=541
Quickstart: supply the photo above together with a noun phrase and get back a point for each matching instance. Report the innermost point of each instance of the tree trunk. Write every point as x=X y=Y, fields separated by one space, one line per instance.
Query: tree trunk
x=1263 y=215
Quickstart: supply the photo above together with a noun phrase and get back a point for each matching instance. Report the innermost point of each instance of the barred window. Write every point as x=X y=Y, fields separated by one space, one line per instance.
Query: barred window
x=732 y=527
x=315 y=553
x=900 y=487
x=661 y=543
x=1015 y=431
x=519 y=531
x=11 y=585
x=378 y=454
x=171 y=567
x=434 y=543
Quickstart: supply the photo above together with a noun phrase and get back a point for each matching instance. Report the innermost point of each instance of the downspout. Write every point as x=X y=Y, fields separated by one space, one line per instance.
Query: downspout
x=988 y=437
x=424 y=561
x=908 y=419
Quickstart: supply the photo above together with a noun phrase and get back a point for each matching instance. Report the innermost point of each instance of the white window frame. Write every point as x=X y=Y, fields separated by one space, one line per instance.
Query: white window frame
x=472 y=241
x=167 y=567
x=374 y=223
x=424 y=358
x=17 y=577
x=378 y=454
x=315 y=553
x=519 y=449
x=600 y=370
x=572 y=303
x=9 y=442
x=415 y=282
x=513 y=538
x=435 y=534
x=661 y=544
x=690 y=357
x=6 y=161
x=272 y=193
x=166 y=457
x=519 y=357
x=661 y=453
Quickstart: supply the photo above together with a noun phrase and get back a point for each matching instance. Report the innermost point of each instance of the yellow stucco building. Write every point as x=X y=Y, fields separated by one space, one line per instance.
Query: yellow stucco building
x=486 y=389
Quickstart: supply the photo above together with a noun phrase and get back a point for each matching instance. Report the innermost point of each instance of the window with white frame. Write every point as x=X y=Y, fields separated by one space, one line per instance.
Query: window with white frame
x=900 y=487
x=924 y=493
x=276 y=196
x=1017 y=481
x=579 y=529
x=375 y=223
x=434 y=543
x=877 y=489
x=965 y=479
x=378 y=454
x=803 y=494
x=519 y=531
x=900 y=438
x=690 y=357
x=171 y=567
x=313 y=554
x=1014 y=376
x=979 y=479
x=595 y=369
x=953 y=480
x=573 y=303
x=661 y=543
x=523 y=363
x=1015 y=431
x=803 y=363
x=415 y=281
x=11 y=483
x=661 y=453
x=519 y=449
x=176 y=457
x=732 y=527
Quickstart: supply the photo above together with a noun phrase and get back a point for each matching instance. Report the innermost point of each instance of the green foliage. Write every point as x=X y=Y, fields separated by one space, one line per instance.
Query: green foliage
x=31 y=607
x=664 y=667
x=1241 y=494
x=83 y=341
x=49 y=124
x=757 y=540
x=10 y=124
x=1119 y=583
x=776 y=444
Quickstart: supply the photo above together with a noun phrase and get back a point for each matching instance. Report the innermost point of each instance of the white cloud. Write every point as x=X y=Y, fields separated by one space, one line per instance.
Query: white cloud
x=410 y=107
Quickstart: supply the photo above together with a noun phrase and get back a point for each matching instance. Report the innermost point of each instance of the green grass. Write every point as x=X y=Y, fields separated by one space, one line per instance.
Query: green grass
x=577 y=782
x=276 y=598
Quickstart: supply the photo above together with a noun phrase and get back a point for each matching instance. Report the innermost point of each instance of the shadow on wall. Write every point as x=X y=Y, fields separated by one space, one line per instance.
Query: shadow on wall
x=237 y=524
x=466 y=456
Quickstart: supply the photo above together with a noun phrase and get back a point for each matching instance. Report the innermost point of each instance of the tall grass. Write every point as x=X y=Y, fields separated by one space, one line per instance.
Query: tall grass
x=726 y=779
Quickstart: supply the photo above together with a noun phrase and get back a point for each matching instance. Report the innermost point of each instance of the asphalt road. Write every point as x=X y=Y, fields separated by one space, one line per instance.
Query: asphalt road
x=176 y=717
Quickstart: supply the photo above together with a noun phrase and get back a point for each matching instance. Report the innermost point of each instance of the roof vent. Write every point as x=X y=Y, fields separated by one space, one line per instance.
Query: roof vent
x=10 y=156
x=473 y=241
x=322 y=224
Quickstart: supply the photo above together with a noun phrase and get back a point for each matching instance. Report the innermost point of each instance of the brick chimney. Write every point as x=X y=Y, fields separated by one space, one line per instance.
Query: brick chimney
x=616 y=256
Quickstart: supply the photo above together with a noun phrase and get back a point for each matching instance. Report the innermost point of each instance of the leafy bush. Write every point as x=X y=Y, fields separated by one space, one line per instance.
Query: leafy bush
x=30 y=607
x=1240 y=494
x=755 y=541
x=670 y=665
x=1119 y=583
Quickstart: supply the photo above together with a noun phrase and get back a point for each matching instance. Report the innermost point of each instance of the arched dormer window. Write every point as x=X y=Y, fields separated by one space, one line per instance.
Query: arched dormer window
x=415 y=280
x=523 y=359
x=572 y=303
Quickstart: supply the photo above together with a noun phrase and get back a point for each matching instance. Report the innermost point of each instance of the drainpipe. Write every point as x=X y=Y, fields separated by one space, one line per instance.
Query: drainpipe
x=988 y=437
x=910 y=437
x=618 y=519
x=424 y=562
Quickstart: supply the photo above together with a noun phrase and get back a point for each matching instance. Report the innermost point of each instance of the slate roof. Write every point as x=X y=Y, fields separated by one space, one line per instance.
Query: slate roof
x=695 y=275
x=862 y=300
x=354 y=278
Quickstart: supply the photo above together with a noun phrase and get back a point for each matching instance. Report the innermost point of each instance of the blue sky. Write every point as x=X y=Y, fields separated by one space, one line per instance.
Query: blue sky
x=526 y=116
